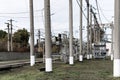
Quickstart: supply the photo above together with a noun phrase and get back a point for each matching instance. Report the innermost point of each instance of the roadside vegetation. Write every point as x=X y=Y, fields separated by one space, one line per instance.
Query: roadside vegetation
x=20 y=40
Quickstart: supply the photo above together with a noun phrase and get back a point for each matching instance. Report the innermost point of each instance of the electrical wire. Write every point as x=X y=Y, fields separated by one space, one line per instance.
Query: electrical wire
x=81 y=8
x=103 y=13
x=98 y=11
x=18 y=17
x=26 y=4
x=22 y=12
x=93 y=14
x=13 y=17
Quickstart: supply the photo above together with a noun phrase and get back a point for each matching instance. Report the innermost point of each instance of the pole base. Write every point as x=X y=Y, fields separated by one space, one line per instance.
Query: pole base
x=32 y=60
x=80 y=58
x=48 y=64
x=112 y=57
x=116 y=68
x=71 y=60
x=88 y=56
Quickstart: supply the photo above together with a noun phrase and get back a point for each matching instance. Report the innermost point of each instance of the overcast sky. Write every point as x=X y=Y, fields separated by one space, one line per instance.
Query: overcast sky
x=18 y=11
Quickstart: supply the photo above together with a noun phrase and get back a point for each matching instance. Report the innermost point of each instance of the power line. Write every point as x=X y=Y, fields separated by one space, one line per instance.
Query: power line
x=18 y=17
x=81 y=7
x=94 y=15
x=98 y=11
x=22 y=12
x=13 y=17
x=103 y=13
x=26 y=4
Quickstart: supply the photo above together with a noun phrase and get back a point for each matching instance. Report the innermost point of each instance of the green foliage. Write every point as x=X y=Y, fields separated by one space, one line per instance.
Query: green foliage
x=3 y=40
x=21 y=36
x=2 y=34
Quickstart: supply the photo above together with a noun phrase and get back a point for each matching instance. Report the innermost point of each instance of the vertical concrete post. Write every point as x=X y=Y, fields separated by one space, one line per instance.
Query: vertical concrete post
x=48 y=45
x=32 y=54
x=81 y=47
x=71 y=58
x=88 y=56
x=94 y=31
x=90 y=32
x=38 y=40
x=116 y=62
x=8 y=37
x=11 y=35
x=8 y=43
x=112 y=43
x=99 y=36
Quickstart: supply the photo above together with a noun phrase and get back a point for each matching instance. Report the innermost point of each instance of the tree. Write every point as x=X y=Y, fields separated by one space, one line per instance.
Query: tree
x=3 y=40
x=2 y=34
x=22 y=37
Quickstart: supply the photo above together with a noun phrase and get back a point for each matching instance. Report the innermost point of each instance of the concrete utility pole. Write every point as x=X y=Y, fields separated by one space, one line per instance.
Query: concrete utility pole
x=71 y=59
x=39 y=39
x=32 y=54
x=8 y=47
x=99 y=35
x=11 y=35
x=88 y=56
x=94 y=31
x=48 y=42
x=81 y=47
x=90 y=32
x=116 y=62
x=96 y=34
x=112 y=42
x=11 y=40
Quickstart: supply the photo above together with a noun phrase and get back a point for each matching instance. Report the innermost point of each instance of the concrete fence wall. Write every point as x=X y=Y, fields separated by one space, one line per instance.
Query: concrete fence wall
x=5 y=56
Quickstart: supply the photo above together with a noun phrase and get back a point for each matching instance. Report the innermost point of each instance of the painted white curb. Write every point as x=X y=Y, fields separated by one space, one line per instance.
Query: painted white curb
x=48 y=64
x=81 y=58
x=116 y=68
x=32 y=60
x=112 y=57
x=71 y=60
x=88 y=56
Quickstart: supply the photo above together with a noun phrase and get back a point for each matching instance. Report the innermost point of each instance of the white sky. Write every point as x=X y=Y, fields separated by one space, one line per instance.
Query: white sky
x=58 y=7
